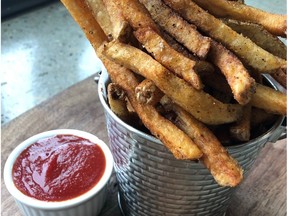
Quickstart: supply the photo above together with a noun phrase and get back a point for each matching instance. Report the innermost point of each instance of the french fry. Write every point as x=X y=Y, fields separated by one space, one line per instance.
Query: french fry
x=82 y=14
x=270 y=100
x=241 y=83
x=274 y=23
x=243 y=47
x=222 y=166
x=181 y=146
x=200 y=104
x=136 y=14
x=259 y=36
x=176 y=26
x=99 y=12
x=117 y=103
x=138 y=17
x=167 y=56
x=266 y=98
x=121 y=29
x=241 y=129
x=200 y=66
x=115 y=92
x=178 y=47
x=147 y=93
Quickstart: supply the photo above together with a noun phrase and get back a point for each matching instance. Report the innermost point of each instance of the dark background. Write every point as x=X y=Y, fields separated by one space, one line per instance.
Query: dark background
x=12 y=7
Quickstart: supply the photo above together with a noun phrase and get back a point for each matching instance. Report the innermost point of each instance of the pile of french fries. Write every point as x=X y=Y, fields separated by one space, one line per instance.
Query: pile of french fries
x=190 y=71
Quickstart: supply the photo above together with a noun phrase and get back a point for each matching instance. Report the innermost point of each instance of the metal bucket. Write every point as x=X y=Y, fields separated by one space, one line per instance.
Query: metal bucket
x=152 y=182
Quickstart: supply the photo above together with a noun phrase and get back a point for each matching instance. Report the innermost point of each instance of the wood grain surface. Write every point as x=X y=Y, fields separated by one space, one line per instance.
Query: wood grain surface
x=263 y=192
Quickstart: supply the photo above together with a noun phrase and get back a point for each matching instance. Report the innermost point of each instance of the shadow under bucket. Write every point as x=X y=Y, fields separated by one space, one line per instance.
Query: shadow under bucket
x=152 y=182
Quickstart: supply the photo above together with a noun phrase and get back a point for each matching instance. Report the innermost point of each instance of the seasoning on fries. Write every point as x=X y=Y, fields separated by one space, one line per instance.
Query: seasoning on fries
x=85 y=19
x=178 y=28
x=274 y=23
x=270 y=100
x=260 y=36
x=241 y=83
x=192 y=75
x=243 y=47
x=136 y=14
x=99 y=11
x=121 y=30
x=173 y=138
x=224 y=169
x=200 y=104
x=170 y=58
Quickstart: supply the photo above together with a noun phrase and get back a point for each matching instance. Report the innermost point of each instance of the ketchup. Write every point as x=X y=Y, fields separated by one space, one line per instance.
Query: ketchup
x=58 y=168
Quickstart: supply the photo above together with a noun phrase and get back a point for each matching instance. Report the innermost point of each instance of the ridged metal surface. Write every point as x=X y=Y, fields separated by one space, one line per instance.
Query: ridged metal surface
x=152 y=182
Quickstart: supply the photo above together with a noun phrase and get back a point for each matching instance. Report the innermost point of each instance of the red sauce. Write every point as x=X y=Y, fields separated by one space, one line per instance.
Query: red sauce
x=59 y=168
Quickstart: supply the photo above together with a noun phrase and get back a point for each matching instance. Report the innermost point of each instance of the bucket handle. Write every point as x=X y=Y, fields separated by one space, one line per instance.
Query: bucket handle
x=281 y=132
x=97 y=76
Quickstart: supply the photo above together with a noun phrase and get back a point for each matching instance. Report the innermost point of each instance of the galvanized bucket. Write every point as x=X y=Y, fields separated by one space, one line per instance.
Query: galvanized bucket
x=152 y=182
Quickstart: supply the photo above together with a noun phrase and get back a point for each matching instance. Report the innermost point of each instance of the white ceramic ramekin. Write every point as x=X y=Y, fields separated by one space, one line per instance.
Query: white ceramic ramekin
x=88 y=204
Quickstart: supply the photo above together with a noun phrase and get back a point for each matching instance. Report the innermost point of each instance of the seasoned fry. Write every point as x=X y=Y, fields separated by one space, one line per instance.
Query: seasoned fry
x=147 y=93
x=269 y=99
x=200 y=66
x=116 y=100
x=167 y=56
x=100 y=14
x=274 y=23
x=82 y=14
x=264 y=97
x=241 y=129
x=259 y=36
x=121 y=28
x=177 y=46
x=121 y=106
x=243 y=47
x=115 y=92
x=136 y=14
x=181 y=30
x=223 y=168
x=173 y=138
x=200 y=104
x=241 y=83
